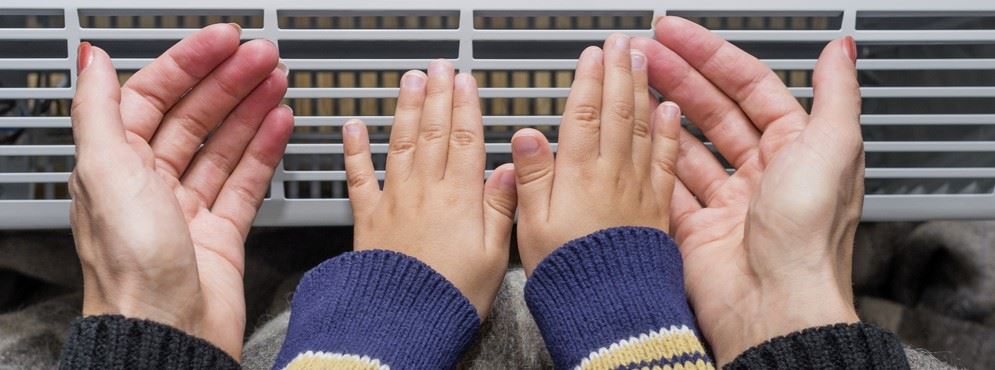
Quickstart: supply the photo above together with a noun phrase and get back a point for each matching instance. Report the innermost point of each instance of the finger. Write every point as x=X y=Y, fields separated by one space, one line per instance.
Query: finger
x=186 y=126
x=836 y=107
x=364 y=190
x=96 y=119
x=698 y=168
x=154 y=89
x=243 y=192
x=580 y=127
x=533 y=172
x=404 y=131
x=718 y=117
x=644 y=104
x=617 y=102
x=466 y=158
x=750 y=83
x=682 y=205
x=666 y=144
x=436 y=122
x=500 y=202
x=218 y=158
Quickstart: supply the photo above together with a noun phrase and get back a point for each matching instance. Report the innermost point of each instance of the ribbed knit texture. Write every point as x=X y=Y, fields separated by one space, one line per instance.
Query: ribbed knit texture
x=616 y=284
x=383 y=305
x=111 y=342
x=840 y=346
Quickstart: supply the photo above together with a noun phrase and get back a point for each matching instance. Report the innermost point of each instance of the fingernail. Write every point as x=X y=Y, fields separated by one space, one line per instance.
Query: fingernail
x=438 y=67
x=620 y=42
x=413 y=80
x=638 y=60
x=288 y=108
x=525 y=144
x=283 y=68
x=850 y=48
x=670 y=109
x=352 y=128
x=464 y=80
x=84 y=56
x=508 y=179
x=237 y=27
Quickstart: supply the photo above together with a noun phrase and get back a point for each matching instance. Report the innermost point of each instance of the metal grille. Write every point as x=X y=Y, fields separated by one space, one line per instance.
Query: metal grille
x=928 y=77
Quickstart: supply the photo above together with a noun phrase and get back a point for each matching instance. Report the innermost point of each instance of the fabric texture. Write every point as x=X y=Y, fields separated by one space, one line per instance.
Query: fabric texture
x=114 y=342
x=840 y=346
x=377 y=308
x=615 y=299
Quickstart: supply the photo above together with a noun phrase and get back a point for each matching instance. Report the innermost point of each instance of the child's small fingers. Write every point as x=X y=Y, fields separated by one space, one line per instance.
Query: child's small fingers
x=361 y=180
x=404 y=131
x=645 y=104
x=436 y=122
x=665 y=131
x=617 y=103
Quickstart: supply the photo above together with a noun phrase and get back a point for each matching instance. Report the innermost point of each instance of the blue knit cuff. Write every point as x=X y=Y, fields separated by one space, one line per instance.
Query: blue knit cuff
x=378 y=307
x=621 y=286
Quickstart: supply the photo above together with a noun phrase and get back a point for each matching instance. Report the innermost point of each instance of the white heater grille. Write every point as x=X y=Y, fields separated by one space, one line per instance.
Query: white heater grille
x=927 y=71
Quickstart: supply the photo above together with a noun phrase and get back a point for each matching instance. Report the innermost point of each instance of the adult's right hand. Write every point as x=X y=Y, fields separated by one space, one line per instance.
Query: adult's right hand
x=160 y=222
x=767 y=250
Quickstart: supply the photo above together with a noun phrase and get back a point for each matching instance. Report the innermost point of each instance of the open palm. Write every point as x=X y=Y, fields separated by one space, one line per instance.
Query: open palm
x=159 y=221
x=766 y=249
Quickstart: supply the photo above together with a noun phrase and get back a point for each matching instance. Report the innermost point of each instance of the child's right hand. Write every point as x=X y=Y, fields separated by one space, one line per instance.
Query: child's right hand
x=615 y=164
x=435 y=205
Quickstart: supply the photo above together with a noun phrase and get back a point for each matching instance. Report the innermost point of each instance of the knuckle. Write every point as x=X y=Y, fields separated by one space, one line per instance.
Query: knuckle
x=433 y=132
x=463 y=137
x=503 y=205
x=641 y=128
x=356 y=179
x=622 y=110
x=586 y=116
x=535 y=174
x=666 y=165
x=401 y=146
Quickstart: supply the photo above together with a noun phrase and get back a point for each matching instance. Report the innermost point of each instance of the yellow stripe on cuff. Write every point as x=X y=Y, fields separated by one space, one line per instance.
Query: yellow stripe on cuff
x=320 y=360
x=649 y=347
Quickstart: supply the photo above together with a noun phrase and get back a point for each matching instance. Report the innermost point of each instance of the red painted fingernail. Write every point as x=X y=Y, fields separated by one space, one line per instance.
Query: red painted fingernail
x=850 y=47
x=83 y=56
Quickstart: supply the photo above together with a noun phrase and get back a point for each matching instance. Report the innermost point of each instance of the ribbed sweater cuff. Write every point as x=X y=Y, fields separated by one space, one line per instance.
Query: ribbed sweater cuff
x=117 y=342
x=385 y=306
x=840 y=346
x=621 y=286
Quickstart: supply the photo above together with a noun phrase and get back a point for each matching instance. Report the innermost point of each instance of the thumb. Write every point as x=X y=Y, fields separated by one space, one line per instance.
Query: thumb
x=836 y=107
x=96 y=115
x=500 y=201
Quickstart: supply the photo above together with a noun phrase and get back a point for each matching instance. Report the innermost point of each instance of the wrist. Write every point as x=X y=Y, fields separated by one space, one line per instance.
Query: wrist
x=783 y=309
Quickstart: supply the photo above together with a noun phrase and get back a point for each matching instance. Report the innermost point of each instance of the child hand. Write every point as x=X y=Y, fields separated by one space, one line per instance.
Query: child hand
x=615 y=163
x=434 y=205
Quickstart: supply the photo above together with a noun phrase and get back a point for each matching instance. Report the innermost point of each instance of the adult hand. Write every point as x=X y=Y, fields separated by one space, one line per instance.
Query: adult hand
x=767 y=250
x=160 y=222
x=614 y=167
x=434 y=205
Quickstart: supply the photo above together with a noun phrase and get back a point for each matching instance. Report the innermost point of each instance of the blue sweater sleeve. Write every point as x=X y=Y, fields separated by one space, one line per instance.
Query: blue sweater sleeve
x=615 y=299
x=376 y=309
